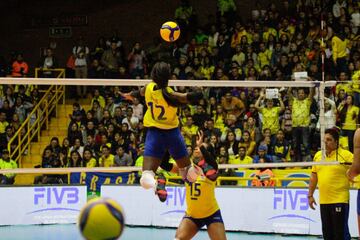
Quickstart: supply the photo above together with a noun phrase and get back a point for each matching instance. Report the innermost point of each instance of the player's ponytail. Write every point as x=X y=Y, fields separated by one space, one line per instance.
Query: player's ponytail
x=161 y=74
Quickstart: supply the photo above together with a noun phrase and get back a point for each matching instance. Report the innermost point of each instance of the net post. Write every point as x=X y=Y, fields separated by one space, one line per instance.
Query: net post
x=322 y=119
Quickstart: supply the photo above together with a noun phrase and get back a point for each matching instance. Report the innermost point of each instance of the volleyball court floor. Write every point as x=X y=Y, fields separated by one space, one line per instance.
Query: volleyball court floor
x=70 y=232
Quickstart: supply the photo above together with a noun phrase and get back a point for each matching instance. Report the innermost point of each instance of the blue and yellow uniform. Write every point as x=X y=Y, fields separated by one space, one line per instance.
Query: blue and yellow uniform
x=202 y=207
x=163 y=126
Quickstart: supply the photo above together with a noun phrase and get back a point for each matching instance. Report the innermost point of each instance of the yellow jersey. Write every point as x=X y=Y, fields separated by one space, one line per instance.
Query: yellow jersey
x=91 y=163
x=192 y=130
x=200 y=198
x=159 y=113
x=237 y=160
x=108 y=162
x=271 y=118
x=338 y=47
x=351 y=118
x=3 y=126
x=11 y=164
x=301 y=112
x=332 y=181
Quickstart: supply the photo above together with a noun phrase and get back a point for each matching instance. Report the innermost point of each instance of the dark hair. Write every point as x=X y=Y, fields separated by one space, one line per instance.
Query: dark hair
x=161 y=74
x=345 y=109
x=334 y=132
x=242 y=147
x=105 y=146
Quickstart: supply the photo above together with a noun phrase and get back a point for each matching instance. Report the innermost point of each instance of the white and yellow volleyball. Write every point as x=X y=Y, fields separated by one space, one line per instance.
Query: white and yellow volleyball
x=100 y=219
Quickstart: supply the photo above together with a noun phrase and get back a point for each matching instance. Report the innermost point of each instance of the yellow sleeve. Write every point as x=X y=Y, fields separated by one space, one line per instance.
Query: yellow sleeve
x=317 y=158
x=356 y=76
x=251 y=148
x=334 y=48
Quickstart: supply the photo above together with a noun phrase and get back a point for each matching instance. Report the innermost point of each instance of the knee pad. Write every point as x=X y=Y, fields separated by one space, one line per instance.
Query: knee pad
x=147 y=179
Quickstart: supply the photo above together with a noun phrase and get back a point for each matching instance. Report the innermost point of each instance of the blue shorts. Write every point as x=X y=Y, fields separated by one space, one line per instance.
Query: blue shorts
x=358 y=202
x=158 y=141
x=200 y=222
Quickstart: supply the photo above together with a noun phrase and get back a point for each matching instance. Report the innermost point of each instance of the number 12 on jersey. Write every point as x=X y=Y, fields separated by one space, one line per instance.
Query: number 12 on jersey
x=161 y=114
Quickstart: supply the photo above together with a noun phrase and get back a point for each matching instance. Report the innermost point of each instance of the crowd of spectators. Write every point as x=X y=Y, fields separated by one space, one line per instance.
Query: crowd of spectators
x=244 y=125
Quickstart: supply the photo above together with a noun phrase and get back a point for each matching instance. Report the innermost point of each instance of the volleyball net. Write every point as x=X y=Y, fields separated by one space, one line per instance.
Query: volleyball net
x=250 y=124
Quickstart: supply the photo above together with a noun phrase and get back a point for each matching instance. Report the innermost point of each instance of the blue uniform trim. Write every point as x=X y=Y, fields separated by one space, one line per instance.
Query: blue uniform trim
x=158 y=141
x=201 y=222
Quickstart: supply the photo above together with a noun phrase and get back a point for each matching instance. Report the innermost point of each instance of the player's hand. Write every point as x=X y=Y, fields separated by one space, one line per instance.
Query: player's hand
x=312 y=202
x=351 y=175
x=127 y=96
x=262 y=93
x=199 y=138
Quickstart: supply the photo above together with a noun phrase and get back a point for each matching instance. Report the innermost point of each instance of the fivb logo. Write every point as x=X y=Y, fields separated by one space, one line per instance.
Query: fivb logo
x=175 y=200
x=56 y=195
x=293 y=201
x=56 y=199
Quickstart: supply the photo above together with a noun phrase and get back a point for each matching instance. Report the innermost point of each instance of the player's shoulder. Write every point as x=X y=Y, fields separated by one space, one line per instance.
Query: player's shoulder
x=317 y=156
x=345 y=153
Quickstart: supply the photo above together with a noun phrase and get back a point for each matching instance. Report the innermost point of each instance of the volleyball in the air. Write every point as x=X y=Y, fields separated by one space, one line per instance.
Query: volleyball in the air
x=101 y=218
x=170 y=31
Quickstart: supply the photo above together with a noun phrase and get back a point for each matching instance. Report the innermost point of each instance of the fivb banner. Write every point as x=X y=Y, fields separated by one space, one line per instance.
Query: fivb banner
x=266 y=210
x=94 y=180
x=41 y=205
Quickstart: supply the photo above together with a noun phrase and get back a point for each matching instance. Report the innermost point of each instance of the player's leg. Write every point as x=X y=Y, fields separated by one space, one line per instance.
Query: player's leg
x=340 y=218
x=154 y=151
x=326 y=223
x=186 y=230
x=177 y=148
x=215 y=226
x=216 y=231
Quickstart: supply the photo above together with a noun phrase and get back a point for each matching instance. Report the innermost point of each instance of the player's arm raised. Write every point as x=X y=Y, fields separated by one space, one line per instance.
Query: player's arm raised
x=177 y=98
x=134 y=94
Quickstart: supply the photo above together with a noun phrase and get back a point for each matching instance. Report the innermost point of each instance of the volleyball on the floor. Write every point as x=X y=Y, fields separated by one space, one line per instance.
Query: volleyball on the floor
x=170 y=31
x=100 y=219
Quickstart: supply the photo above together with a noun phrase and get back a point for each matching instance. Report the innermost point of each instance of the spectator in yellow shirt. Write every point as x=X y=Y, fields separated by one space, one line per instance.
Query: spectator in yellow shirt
x=248 y=143
x=106 y=159
x=3 y=122
x=89 y=159
x=189 y=130
x=270 y=113
x=338 y=44
x=348 y=118
x=264 y=55
x=355 y=84
x=7 y=163
x=233 y=105
x=300 y=123
x=99 y=98
x=243 y=157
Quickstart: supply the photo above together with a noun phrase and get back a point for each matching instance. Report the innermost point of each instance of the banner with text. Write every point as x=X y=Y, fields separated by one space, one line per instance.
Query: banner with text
x=41 y=205
x=94 y=180
x=279 y=210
